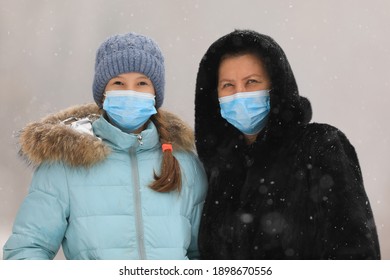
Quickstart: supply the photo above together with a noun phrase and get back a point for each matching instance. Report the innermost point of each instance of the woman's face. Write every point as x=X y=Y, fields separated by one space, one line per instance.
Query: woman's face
x=242 y=73
x=131 y=81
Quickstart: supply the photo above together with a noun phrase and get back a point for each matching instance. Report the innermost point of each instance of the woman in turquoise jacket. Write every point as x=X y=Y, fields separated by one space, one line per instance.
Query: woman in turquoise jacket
x=117 y=179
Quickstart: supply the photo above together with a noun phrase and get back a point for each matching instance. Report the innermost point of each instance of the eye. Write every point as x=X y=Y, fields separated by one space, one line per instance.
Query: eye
x=117 y=83
x=143 y=83
x=252 y=81
x=226 y=85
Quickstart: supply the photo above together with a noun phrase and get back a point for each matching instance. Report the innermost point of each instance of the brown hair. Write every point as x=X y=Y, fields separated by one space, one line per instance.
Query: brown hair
x=251 y=51
x=170 y=176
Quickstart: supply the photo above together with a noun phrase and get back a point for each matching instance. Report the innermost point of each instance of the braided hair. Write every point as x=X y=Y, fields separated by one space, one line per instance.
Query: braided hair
x=170 y=176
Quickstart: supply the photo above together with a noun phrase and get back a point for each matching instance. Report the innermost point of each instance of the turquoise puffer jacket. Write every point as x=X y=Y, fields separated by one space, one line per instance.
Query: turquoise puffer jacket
x=91 y=194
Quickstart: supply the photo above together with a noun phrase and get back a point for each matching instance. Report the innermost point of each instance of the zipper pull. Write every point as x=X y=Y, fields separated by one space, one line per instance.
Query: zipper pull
x=139 y=138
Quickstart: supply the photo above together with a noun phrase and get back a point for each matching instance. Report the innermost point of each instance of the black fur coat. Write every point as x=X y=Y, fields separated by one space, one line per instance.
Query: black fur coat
x=295 y=193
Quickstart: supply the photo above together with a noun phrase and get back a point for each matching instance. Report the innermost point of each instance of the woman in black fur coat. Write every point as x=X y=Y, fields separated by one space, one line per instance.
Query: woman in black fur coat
x=279 y=186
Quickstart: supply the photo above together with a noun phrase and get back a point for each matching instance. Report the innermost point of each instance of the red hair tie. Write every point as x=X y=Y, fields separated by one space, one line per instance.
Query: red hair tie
x=167 y=147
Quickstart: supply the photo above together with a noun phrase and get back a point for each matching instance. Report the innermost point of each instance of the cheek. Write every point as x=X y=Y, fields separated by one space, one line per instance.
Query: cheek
x=255 y=87
x=147 y=89
x=112 y=87
x=226 y=91
x=223 y=93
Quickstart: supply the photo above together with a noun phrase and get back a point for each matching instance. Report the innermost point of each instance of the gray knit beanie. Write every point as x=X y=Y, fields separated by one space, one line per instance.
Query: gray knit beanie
x=128 y=53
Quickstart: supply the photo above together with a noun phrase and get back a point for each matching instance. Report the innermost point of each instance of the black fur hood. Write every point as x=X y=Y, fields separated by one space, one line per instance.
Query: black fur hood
x=288 y=109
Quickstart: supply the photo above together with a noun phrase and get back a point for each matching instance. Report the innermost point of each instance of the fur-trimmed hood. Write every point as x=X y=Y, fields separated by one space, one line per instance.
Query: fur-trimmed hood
x=54 y=138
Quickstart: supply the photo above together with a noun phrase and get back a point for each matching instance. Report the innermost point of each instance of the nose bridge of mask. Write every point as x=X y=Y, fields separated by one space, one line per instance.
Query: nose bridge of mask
x=242 y=95
x=242 y=102
x=251 y=94
x=130 y=93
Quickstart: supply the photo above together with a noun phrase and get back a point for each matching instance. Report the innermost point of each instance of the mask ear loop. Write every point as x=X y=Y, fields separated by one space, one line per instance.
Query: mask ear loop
x=167 y=147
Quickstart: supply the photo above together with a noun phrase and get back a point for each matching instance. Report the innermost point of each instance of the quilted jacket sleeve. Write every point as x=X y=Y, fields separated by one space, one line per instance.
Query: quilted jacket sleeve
x=41 y=222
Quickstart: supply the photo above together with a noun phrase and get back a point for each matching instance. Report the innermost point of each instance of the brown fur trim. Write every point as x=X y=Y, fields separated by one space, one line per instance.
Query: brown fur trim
x=181 y=134
x=51 y=140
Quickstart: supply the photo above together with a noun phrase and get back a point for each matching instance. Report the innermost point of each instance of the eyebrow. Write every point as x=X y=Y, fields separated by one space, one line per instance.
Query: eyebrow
x=141 y=76
x=138 y=77
x=224 y=80
x=245 y=78
x=253 y=75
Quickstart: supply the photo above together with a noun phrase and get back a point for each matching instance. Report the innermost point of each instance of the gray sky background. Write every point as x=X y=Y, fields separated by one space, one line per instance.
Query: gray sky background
x=339 y=51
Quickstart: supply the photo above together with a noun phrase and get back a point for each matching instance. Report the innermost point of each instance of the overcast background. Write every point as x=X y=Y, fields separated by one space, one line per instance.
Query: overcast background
x=339 y=51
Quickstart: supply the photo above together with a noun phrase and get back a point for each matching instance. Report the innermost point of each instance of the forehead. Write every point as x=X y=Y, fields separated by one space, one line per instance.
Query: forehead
x=241 y=63
x=132 y=75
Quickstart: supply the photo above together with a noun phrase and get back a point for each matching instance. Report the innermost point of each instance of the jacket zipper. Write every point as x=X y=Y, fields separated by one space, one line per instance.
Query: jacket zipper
x=139 y=227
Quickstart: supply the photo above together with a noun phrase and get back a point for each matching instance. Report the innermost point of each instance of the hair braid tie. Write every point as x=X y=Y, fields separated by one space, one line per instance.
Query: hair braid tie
x=167 y=147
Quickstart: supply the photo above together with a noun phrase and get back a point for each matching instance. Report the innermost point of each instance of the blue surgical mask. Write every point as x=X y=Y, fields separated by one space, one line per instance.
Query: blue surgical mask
x=247 y=111
x=129 y=110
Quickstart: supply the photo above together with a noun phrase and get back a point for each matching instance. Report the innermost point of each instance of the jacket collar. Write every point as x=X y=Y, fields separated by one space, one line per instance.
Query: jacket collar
x=54 y=139
x=120 y=140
